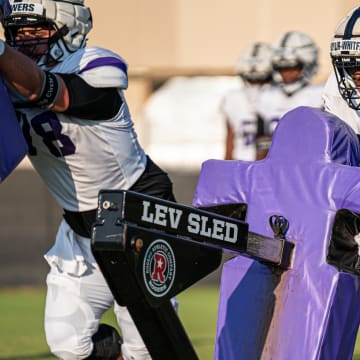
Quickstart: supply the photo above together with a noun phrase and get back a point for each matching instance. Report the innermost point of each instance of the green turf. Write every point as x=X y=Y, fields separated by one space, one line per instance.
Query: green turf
x=22 y=330
x=198 y=313
x=22 y=334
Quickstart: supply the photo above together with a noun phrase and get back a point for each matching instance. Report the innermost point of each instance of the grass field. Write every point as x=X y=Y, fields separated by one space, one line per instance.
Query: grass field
x=22 y=335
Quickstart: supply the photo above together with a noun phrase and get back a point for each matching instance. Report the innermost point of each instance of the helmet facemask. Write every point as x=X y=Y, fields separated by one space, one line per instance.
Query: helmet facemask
x=344 y=67
x=290 y=87
x=255 y=77
x=45 y=50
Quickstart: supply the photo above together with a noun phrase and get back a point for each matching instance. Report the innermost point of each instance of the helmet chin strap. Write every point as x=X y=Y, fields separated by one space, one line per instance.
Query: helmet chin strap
x=54 y=55
x=57 y=50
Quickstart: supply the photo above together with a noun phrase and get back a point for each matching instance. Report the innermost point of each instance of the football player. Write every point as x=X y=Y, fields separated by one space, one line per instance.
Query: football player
x=295 y=62
x=74 y=116
x=238 y=107
x=341 y=93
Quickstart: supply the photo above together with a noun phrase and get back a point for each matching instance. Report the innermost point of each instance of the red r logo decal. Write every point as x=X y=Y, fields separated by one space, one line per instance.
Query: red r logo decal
x=159 y=268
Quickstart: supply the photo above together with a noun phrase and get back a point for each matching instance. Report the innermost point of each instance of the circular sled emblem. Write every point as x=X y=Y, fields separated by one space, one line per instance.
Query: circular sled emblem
x=159 y=268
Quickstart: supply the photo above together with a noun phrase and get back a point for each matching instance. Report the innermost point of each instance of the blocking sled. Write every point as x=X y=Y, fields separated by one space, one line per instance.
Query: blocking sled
x=311 y=177
x=292 y=292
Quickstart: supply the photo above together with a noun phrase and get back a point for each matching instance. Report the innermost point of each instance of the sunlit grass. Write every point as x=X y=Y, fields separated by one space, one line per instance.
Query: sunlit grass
x=22 y=330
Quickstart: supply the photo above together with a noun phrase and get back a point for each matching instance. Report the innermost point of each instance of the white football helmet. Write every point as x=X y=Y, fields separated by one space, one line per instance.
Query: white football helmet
x=69 y=18
x=254 y=64
x=295 y=49
x=345 y=56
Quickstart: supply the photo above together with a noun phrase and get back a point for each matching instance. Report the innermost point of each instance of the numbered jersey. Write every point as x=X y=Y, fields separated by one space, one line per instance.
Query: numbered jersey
x=335 y=104
x=239 y=110
x=274 y=103
x=77 y=157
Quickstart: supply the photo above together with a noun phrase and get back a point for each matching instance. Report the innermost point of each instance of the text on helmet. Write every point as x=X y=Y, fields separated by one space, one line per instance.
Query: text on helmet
x=36 y=9
x=345 y=45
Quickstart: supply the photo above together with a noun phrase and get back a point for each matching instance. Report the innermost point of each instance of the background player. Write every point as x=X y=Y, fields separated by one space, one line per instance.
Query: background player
x=295 y=62
x=342 y=90
x=238 y=107
x=81 y=139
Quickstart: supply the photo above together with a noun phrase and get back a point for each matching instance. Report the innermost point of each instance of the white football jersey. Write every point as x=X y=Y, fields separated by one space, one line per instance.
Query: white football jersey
x=335 y=104
x=238 y=108
x=274 y=103
x=75 y=157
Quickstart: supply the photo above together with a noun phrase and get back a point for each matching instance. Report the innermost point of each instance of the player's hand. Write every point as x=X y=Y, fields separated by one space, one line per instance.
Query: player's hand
x=5 y=9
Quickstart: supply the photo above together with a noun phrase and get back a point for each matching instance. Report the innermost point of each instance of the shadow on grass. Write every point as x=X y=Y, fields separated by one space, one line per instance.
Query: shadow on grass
x=44 y=356
x=356 y=357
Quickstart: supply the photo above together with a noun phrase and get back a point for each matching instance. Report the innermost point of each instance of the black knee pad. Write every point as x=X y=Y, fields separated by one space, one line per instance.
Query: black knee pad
x=107 y=344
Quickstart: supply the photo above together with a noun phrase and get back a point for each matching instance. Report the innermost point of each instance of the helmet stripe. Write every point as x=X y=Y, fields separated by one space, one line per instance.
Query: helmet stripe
x=285 y=39
x=255 y=50
x=350 y=24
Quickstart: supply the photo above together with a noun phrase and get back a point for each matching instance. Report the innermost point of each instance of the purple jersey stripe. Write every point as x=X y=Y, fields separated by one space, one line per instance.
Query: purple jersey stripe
x=105 y=61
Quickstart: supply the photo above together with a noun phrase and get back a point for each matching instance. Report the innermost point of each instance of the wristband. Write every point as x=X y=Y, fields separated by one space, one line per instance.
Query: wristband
x=49 y=91
x=48 y=95
x=2 y=46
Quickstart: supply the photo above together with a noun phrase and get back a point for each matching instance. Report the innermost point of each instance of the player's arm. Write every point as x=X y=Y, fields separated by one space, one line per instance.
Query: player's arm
x=229 y=143
x=29 y=80
x=66 y=93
